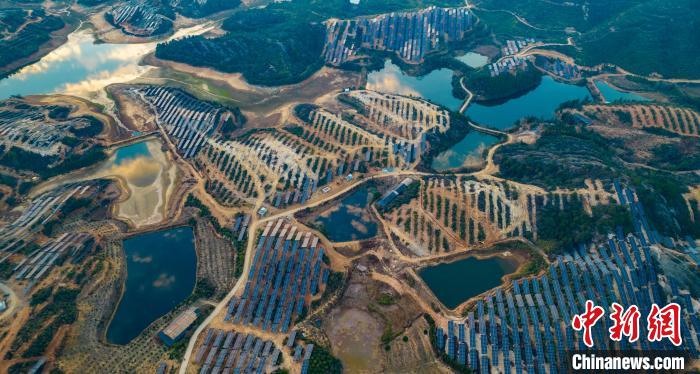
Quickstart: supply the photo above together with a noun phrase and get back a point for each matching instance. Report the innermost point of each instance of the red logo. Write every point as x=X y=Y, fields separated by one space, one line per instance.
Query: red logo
x=624 y=324
x=587 y=320
x=665 y=323
x=662 y=323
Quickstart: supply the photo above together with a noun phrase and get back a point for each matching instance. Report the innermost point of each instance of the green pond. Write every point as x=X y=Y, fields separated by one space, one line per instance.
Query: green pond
x=456 y=282
x=435 y=86
x=350 y=219
x=612 y=94
x=473 y=59
x=161 y=273
x=468 y=152
x=541 y=102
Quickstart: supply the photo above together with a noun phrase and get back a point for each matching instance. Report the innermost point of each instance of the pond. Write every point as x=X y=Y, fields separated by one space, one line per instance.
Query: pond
x=612 y=94
x=541 y=102
x=350 y=219
x=456 y=282
x=469 y=152
x=435 y=86
x=81 y=66
x=473 y=60
x=161 y=273
x=147 y=178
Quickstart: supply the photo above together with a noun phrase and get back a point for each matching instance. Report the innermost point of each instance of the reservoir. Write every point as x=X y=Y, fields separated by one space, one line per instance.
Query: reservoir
x=161 y=272
x=541 y=102
x=612 y=94
x=435 y=86
x=456 y=282
x=78 y=66
x=350 y=219
x=473 y=60
x=469 y=152
x=81 y=67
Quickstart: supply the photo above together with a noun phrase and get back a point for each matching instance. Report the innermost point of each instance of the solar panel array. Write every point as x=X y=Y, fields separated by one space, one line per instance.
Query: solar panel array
x=231 y=352
x=410 y=34
x=286 y=271
x=189 y=121
x=535 y=334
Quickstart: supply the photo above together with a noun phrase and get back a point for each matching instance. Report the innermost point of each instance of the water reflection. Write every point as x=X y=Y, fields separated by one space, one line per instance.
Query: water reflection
x=435 y=86
x=468 y=153
x=541 y=102
x=145 y=175
x=161 y=269
x=81 y=67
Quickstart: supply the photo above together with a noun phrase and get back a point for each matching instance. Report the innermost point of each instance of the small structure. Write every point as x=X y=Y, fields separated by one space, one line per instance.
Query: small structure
x=176 y=329
x=580 y=118
x=394 y=193
x=262 y=212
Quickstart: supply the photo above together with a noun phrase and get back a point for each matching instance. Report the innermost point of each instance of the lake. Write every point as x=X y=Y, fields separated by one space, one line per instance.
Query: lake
x=435 y=86
x=81 y=67
x=456 y=282
x=350 y=219
x=541 y=102
x=467 y=153
x=473 y=59
x=612 y=94
x=161 y=269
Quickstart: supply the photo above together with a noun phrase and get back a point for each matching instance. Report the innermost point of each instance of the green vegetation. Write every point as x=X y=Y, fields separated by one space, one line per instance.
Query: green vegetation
x=323 y=362
x=677 y=156
x=410 y=193
x=654 y=36
x=564 y=156
x=560 y=230
x=225 y=232
x=93 y=128
x=385 y=299
x=642 y=36
x=440 y=142
x=40 y=296
x=279 y=44
x=199 y=9
x=495 y=89
x=60 y=310
x=33 y=35
x=49 y=166
x=661 y=194
x=268 y=46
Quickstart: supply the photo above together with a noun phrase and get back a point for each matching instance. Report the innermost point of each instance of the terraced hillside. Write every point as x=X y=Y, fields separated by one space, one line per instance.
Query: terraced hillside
x=285 y=166
x=682 y=121
x=451 y=214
